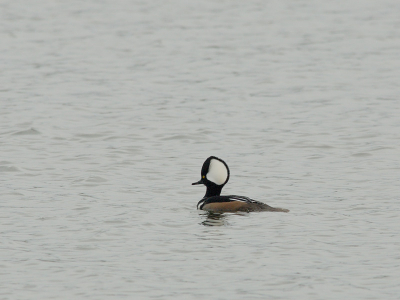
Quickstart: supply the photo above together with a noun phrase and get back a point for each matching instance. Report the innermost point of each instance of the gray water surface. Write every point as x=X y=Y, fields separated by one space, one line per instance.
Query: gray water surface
x=109 y=108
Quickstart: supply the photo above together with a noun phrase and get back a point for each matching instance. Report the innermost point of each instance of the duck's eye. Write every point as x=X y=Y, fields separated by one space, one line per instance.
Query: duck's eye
x=204 y=176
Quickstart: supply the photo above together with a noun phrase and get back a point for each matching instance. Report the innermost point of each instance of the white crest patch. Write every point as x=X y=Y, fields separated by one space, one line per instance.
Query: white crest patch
x=217 y=172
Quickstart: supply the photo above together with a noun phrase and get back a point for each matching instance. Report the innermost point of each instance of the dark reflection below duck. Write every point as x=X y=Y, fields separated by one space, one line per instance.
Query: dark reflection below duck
x=214 y=219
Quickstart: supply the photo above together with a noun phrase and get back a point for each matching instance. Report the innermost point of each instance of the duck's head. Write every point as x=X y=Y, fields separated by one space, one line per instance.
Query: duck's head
x=214 y=175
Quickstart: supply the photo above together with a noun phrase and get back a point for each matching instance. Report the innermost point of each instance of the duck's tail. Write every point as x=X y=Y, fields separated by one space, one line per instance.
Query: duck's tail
x=265 y=207
x=280 y=209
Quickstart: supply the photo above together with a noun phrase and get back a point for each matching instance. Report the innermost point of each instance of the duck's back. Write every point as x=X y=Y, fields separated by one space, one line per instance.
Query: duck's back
x=235 y=203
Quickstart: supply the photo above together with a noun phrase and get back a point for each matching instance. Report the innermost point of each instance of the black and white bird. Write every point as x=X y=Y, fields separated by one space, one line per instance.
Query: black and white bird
x=214 y=175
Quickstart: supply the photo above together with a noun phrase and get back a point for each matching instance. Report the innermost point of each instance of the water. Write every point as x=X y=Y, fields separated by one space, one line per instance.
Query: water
x=108 y=110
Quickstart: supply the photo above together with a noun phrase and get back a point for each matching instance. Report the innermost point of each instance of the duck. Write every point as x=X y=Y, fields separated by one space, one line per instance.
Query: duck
x=215 y=175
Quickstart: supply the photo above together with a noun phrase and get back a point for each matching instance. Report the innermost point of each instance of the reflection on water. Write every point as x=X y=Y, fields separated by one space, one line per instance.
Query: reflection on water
x=220 y=219
x=215 y=219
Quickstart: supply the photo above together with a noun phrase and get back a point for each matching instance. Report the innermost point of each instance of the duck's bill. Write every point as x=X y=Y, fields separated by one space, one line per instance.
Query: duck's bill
x=198 y=182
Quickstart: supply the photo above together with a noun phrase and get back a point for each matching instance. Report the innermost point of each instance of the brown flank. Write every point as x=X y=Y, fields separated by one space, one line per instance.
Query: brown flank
x=240 y=206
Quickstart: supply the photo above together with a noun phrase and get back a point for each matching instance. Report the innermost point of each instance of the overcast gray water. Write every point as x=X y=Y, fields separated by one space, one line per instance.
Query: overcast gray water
x=108 y=110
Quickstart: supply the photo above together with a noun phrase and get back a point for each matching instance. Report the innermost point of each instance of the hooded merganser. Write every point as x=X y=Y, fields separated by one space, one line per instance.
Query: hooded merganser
x=214 y=175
